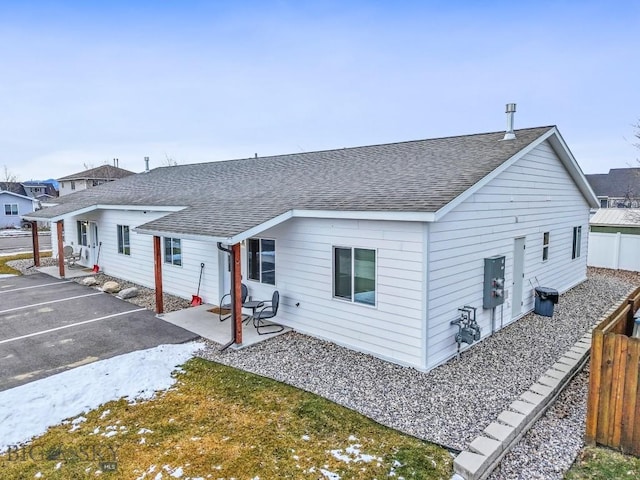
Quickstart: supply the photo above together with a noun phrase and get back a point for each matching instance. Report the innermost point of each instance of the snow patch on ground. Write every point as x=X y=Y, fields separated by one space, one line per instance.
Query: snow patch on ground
x=28 y=410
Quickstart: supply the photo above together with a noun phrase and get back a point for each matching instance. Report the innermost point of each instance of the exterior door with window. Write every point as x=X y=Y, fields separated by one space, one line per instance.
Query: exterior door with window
x=93 y=242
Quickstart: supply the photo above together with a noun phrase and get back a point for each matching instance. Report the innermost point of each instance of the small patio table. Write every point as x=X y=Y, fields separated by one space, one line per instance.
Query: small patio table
x=253 y=305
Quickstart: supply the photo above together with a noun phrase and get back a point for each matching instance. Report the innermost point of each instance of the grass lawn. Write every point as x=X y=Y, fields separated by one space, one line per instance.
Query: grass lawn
x=603 y=463
x=4 y=268
x=220 y=422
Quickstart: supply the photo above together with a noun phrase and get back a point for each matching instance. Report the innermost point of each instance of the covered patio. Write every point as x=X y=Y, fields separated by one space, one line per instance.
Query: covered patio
x=204 y=322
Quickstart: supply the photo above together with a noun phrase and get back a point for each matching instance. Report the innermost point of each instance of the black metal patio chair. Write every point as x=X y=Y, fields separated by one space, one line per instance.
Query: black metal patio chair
x=228 y=306
x=268 y=312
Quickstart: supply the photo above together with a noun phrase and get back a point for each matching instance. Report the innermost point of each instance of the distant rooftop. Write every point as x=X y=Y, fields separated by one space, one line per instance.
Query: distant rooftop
x=618 y=183
x=103 y=172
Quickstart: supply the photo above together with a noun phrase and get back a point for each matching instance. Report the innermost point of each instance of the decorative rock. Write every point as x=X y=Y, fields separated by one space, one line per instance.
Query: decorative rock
x=89 y=281
x=111 y=287
x=128 y=293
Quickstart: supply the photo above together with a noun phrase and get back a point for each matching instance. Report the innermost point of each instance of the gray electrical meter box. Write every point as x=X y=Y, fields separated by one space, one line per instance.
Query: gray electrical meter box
x=493 y=289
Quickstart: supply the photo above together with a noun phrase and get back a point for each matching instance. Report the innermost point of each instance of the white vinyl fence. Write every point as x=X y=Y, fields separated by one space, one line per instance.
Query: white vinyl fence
x=614 y=250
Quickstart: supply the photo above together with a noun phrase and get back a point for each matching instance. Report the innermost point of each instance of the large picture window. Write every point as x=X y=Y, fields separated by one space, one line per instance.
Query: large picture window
x=124 y=247
x=83 y=227
x=577 y=240
x=261 y=260
x=172 y=251
x=354 y=274
x=11 y=209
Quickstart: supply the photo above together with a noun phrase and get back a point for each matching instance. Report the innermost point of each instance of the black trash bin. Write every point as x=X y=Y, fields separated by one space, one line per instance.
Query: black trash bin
x=546 y=298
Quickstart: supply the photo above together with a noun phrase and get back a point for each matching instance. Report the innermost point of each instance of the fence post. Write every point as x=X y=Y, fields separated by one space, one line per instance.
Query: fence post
x=593 y=397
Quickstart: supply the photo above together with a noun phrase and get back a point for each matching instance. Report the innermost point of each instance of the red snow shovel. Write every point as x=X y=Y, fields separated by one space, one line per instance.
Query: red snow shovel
x=96 y=267
x=195 y=299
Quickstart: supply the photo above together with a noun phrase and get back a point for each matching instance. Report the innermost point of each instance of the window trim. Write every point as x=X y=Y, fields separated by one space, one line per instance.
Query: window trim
x=79 y=225
x=546 y=241
x=577 y=241
x=171 y=260
x=122 y=245
x=11 y=210
x=259 y=257
x=352 y=300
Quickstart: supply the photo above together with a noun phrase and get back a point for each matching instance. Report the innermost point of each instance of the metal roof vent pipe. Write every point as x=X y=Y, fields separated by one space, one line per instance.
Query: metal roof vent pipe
x=146 y=164
x=511 y=110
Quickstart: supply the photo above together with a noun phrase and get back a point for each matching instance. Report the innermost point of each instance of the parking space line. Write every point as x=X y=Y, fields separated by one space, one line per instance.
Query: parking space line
x=8 y=340
x=35 y=286
x=47 y=303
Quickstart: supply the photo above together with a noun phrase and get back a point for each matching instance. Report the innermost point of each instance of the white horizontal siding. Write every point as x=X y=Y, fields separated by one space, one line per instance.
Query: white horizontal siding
x=533 y=196
x=25 y=206
x=181 y=281
x=393 y=329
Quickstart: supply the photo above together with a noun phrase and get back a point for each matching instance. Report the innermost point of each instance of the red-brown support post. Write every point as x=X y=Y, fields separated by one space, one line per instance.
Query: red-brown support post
x=36 y=243
x=60 y=227
x=157 y=268
x=237 y=293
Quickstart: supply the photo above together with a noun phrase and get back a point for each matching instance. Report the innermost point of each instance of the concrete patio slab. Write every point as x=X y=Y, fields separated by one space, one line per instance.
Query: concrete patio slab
x=207 y=325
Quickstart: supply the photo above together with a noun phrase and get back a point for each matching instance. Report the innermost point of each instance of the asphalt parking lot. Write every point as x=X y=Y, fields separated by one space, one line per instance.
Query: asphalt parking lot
x=49 y=325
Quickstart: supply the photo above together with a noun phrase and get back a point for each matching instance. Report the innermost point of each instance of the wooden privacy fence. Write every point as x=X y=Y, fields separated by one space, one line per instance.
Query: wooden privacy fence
x=613 y=402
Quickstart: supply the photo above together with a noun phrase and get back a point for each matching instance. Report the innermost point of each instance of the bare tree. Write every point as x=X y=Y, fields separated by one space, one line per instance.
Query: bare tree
x=7 y=178
x=632 y=193
x=169 y=161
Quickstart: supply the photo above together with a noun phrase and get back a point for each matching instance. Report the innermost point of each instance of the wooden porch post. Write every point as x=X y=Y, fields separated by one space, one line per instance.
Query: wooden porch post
x=36 y=243
x=59 y=228
x=236 y=282
x=157 y=267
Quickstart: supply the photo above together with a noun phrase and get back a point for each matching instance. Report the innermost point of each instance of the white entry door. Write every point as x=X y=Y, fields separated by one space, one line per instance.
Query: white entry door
x=518 y=277
x=94 y=242
x=225 y=273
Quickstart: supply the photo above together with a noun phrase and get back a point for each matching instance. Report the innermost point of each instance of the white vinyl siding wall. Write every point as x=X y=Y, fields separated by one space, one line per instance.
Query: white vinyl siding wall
x=533 y=196
x=393 y=328
x=138 y=267
x=25 y=206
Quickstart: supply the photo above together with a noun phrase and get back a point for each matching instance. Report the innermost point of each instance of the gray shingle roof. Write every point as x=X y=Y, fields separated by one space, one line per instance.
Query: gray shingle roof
x=618 y=183
x=229 y=197
x=103 y=172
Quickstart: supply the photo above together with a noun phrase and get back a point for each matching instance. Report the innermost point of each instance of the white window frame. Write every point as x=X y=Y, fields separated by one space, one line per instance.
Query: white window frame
x=577 y=242
x=11 y=209
x=259 y=257
x=546 y=240
x=172 y=241
x=83 y=232
x=353 y=276
x=122 y=245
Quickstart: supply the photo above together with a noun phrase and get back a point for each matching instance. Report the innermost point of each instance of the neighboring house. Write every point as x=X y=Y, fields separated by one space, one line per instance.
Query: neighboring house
x=620 y=188
x=39 y=190
x=614 y=239
x=375 y=248
x=91 y=178
x=15 y=187
x=13 y=206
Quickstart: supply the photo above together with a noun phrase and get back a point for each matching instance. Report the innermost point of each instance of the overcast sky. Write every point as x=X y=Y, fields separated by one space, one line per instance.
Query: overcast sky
x=203 y=81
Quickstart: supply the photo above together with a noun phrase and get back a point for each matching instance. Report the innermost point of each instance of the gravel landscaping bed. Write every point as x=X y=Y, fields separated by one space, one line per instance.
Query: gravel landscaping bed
x=554 y=441
x=453 y=403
